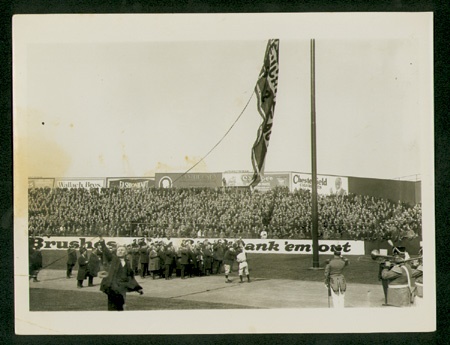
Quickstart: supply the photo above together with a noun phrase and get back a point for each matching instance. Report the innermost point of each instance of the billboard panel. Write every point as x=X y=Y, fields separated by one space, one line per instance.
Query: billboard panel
x=326 y=184
x=41 y=182
x=130 y=182
x=243 y=179
x=181 y=180
x=266 y=246
x=79 y=183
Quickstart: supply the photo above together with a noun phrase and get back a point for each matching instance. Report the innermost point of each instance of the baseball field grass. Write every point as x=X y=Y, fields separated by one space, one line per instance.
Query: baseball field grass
x=275 y=277
x=361 y=269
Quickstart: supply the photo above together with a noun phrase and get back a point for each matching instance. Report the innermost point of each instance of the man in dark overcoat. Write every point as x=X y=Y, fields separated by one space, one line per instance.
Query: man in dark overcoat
x=120 y=278
x=183 y=252
x=143 y=258
x=71 y=260
x=82 y=267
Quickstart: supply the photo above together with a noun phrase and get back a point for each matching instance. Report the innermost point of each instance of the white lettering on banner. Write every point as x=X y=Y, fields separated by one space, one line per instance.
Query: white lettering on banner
x=251 y=245
x=142 y=184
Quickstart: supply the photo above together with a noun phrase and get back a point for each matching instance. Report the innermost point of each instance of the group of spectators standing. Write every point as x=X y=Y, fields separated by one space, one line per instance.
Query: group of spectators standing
x=216 y=213
x=160 y=259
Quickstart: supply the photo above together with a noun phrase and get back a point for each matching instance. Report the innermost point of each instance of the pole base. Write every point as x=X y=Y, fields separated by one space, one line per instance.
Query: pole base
x=316 y=268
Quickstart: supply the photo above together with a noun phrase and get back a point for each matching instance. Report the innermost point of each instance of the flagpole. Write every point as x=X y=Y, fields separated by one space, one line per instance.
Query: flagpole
x=315 y=221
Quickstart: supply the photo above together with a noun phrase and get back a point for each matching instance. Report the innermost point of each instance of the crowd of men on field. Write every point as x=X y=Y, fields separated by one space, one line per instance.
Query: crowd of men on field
x=216 y=213
x=159 y=259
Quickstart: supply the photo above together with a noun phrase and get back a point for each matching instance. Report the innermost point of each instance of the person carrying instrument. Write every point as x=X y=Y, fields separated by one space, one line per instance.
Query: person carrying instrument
x=334 y=279
x=417 y=274
x=401 y=282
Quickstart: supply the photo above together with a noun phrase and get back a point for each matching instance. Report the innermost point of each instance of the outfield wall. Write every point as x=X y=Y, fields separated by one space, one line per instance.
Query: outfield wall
x=406 y=191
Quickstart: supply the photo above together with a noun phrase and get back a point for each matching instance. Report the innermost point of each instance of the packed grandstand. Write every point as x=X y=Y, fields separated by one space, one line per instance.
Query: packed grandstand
x=216 y=213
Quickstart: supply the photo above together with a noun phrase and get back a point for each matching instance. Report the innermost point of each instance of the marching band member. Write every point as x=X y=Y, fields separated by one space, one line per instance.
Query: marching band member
x=401 y=282
x=417 y=274
x=334 y=279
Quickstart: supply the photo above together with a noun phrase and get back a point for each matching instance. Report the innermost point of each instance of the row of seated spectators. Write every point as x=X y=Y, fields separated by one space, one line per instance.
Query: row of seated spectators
x=214 y=213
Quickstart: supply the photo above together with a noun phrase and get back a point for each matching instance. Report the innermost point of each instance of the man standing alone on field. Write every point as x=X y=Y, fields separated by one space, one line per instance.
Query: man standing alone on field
x=334 y=279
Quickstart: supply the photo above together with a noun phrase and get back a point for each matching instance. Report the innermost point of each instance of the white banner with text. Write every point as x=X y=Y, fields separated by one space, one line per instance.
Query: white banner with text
x=267 y=246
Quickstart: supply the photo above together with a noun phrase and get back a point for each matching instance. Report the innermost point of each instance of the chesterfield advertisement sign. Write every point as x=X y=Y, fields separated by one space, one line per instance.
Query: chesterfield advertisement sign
x=251 y=245
x=326 y=185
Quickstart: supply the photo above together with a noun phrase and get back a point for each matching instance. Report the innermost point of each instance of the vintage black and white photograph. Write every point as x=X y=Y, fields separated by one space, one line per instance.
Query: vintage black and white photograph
x=226 y=173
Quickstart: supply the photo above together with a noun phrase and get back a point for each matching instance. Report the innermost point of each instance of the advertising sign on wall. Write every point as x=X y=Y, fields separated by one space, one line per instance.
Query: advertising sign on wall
x=267 y=246
x=169 y=180
x=130 y=182
x=41 y=182
x=326 y=185
x=79 y=183
x=269 y=181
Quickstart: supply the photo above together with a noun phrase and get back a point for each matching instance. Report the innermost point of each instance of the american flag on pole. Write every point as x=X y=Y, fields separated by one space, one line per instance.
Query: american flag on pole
x=266 y=92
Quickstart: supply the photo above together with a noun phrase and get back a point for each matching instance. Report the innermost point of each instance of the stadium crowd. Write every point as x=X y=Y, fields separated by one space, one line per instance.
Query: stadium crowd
x=216 y=213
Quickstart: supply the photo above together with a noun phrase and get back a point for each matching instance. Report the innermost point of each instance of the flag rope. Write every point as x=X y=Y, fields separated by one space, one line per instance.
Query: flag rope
x=218 y=143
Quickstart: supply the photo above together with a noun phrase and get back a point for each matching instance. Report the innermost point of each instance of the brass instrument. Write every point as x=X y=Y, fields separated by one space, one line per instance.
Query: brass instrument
x=375 y=254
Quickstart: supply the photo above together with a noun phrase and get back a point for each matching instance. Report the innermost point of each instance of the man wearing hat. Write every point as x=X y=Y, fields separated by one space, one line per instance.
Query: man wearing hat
x=143 y=257
x=82 y=267
x=169 y=259
x=207 y=257
x=334 y=279
x=35 y=263
x=183 y=252
x=135 y=256
x=218 y=251
x=153 y=264
x=228 y=259
x=401 y=282
x=71 y=260
x=241 y=258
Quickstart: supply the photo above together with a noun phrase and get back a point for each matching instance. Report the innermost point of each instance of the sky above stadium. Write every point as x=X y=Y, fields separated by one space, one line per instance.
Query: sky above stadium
x=121 y=96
